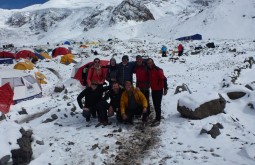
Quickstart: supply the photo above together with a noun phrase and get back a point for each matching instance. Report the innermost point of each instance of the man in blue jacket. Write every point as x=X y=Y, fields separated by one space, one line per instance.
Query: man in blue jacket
x=125 y=70
x=163 y=50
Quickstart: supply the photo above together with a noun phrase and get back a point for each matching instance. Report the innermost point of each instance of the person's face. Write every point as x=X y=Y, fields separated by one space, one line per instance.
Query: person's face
x=93 y=85
x=96 y=63
x=139 y=61
x=124 y=61
x=128 y=86
x=150 y=63
x=115 y=87
x=113 y=63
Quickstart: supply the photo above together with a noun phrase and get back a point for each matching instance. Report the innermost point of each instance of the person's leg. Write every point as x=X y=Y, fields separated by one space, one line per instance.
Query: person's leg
x=86 y=114
x=146 y=93
x=157 y=98
x=102 y=111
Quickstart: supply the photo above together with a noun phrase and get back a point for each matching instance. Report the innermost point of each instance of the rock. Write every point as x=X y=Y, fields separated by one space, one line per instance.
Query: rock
x=40 y=142
x=59 y=89
x=235 y=95
x=4 y=160
x=23 y=155
x=215 y=131
x=206 y=109
x=181 y=88
x=23 y=111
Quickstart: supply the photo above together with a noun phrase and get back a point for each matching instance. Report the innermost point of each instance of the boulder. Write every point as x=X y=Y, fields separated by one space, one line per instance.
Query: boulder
x=235 y=95
x=205 y=109
x=23 y=155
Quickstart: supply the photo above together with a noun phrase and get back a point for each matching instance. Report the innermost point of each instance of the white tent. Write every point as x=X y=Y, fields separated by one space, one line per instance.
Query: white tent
x=24 y=85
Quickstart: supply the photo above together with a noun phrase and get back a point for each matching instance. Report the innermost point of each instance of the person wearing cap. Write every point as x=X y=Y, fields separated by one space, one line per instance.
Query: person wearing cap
x=132 y=103
x=96 y=73
x=125 y=70
x=112 y=72
x=142 y=80
x=158 y=84
x=93 y=96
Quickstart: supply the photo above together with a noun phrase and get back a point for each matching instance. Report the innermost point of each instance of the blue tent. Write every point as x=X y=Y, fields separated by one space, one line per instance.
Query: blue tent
x=6 y=61
x=67 y=43
x=193 y=37
x=39 y=56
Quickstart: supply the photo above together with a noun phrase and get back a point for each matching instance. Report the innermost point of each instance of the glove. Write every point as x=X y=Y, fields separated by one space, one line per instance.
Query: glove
x=124 y=117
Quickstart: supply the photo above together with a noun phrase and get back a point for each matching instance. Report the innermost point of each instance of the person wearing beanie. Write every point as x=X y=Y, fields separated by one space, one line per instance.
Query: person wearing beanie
x=112 y=71
x=125 y=70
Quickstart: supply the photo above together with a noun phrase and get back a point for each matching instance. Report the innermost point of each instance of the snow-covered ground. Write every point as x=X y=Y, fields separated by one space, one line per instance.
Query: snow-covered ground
x=177 y=140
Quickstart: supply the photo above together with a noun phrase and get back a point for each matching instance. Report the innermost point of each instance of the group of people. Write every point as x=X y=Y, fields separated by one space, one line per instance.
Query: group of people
x=126 y=101
x=179 y=47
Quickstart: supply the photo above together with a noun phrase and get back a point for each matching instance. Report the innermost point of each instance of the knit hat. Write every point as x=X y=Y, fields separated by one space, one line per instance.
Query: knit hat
x=125 y=57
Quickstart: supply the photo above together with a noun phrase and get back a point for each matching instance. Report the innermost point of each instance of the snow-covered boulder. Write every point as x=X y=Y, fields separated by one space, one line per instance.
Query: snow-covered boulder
x=201 y=105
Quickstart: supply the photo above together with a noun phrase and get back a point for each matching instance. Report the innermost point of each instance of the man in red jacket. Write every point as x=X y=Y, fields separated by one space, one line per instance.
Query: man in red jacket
x=159 y=88
x=142 y=80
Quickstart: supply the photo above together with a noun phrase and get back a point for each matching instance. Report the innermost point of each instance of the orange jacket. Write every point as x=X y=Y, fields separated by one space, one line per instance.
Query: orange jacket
x=139 y=97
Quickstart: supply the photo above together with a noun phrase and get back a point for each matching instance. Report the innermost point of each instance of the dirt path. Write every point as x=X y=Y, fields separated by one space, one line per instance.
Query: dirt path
x=135 y=146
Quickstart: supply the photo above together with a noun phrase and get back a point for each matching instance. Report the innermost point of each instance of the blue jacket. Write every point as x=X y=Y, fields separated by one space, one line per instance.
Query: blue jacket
x=125 y=73
x=163 y=49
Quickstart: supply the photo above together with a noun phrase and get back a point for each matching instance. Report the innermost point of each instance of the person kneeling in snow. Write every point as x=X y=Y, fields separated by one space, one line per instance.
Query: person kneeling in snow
x=132 y=103
x=93 y=97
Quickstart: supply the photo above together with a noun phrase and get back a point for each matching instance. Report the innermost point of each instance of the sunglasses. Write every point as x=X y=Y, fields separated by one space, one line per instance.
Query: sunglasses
x=94 y=84
x=97 y=62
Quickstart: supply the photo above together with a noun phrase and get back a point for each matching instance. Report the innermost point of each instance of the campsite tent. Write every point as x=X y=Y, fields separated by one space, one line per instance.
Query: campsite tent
x=6 y=97
x=5 y=54
x=193 y=37
x=67 y=59
x=45 y=55
x=26 y=65
x=40 y=78
x=67 y=43
x=60 y=51
x=24 y=54
x=24 y=85
x=79 y=71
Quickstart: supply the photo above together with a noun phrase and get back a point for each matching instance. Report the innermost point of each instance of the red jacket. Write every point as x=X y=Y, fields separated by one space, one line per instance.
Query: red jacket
x=98 y=75
x=180 y=47
x=142 y=77
x=156 y=78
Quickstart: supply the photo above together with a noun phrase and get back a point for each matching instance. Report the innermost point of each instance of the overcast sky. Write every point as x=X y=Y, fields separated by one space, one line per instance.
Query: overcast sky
x=18 y=4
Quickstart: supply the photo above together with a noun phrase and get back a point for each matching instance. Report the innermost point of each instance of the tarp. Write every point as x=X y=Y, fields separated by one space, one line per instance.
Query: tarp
x=26 y=65
x=6 y=98
x=5 y=54
x=79 y=73
x=67 y=59
x=192 y=37
x=24 y=54
x=6 y=61
x=60 y=51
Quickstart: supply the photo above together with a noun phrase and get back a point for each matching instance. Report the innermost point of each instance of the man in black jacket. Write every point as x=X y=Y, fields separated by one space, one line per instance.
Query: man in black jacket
x=93 y=96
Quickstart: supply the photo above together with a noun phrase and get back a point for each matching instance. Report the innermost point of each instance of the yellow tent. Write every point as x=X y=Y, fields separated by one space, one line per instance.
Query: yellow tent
x=40 y=78
x=26 y=65
x=45 y=55
x=67 y=59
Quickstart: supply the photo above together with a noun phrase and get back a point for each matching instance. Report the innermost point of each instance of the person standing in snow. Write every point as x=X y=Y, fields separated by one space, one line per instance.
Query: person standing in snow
x=125 y=70
x=142 y=79
x=96 y=73
x=163 y=50
x=180 y=50
x=112 y=72
x=158 y=84
x=132 y=103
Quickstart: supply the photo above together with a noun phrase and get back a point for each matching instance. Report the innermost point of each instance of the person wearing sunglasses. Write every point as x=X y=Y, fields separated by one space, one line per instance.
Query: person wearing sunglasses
x=96 y=73
x=93 y=96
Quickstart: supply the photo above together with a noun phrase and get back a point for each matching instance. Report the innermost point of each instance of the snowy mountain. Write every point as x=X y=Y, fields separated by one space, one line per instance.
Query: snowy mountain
x=168 y=19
